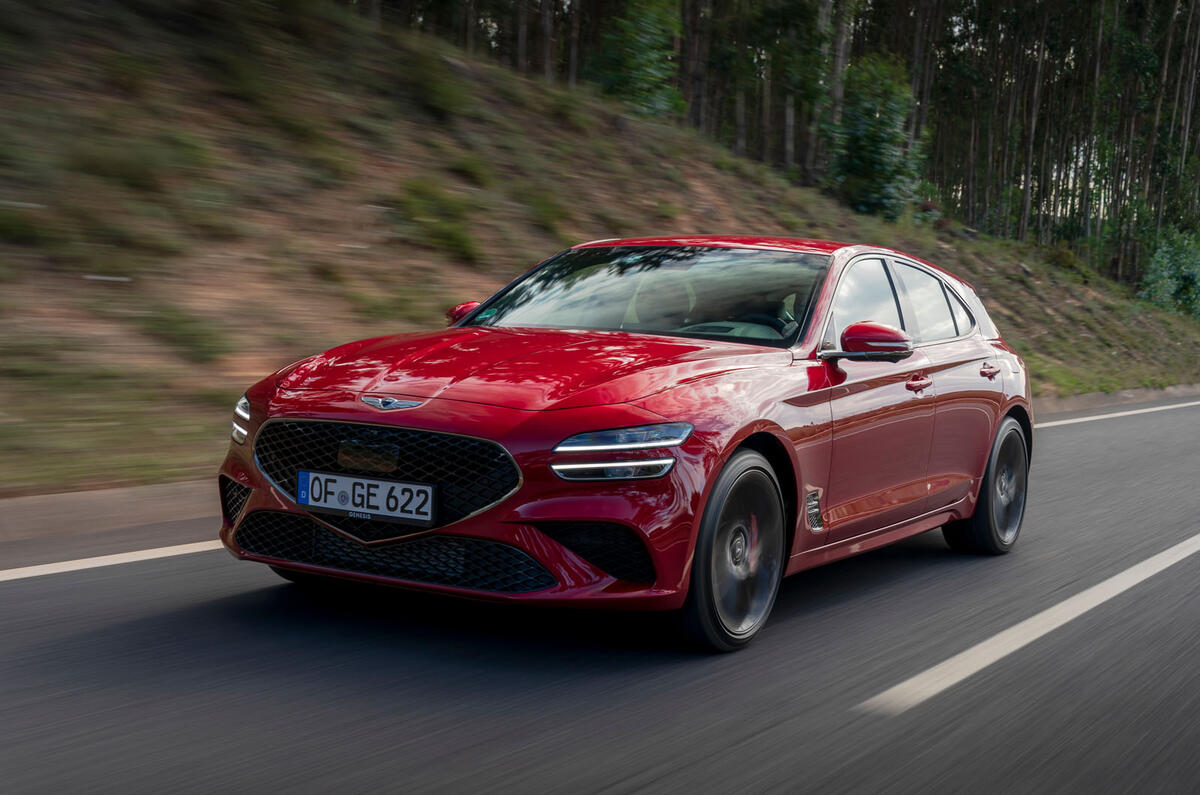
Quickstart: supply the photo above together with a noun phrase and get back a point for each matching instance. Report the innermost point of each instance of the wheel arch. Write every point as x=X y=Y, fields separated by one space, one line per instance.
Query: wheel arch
x=1021 y=415
x=771 y=448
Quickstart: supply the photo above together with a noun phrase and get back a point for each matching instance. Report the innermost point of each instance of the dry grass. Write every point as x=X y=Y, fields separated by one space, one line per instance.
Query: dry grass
x=265 y=223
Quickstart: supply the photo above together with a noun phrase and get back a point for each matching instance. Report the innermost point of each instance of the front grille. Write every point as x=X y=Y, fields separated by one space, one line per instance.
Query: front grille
x=468 y=474
x=613 y=548
x=233 y=497
x=457 y=561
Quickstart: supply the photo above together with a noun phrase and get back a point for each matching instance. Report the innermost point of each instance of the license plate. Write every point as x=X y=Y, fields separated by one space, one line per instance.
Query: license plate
x=366 y=498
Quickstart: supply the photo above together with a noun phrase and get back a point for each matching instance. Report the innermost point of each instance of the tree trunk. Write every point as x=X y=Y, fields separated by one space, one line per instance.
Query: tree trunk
x=1190 y=105
x=1091 y=135
x=970 y=190
x=375 y=13
x=573 y=64
x=693 y=76
x=1162 y=89
x=824 y=19
x=739 y=111
x=766 y=111
x=522 y=37
x=789 y=131
x=548 y=39
x=1034 y=107
x=841 y=56
x=469 y=25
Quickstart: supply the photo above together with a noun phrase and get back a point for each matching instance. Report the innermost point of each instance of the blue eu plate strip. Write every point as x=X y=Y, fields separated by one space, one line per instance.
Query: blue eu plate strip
x=302 y=488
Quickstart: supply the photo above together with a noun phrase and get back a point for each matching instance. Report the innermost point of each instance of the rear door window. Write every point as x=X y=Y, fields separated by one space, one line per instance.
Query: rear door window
x=930 y=304
x=962 y=318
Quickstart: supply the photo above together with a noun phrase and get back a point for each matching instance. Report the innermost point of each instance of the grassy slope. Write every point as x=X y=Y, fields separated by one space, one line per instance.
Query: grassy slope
x=263 y=196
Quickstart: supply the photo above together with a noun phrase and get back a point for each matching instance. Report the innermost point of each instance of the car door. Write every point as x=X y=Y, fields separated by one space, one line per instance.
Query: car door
x=882 y=414
x=966 y=376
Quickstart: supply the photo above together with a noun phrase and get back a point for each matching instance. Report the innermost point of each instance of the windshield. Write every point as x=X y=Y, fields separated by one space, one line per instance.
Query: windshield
x=747 y=295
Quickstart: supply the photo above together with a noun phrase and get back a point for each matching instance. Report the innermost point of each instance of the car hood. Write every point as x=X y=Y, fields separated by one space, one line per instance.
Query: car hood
x=528 y=369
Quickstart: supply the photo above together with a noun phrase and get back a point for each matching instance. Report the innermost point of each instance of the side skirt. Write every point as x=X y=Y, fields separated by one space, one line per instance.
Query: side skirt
x=875 y=539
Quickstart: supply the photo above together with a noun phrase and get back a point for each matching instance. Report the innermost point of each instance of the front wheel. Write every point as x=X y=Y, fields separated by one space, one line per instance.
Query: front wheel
x=994 y=527
x=739 y=557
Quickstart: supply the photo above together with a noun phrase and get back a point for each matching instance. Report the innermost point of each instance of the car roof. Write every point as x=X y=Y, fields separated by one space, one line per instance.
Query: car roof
x=728 y=241
x=766 y=242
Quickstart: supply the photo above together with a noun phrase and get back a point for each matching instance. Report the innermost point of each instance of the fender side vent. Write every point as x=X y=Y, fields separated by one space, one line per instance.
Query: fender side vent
x=812 y=506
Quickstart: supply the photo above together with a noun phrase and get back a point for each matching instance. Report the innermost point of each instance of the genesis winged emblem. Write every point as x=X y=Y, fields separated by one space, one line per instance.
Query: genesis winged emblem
x=389 y=403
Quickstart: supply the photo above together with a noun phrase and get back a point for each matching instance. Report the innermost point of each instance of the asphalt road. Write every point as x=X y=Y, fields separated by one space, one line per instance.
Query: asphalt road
x=200 y=673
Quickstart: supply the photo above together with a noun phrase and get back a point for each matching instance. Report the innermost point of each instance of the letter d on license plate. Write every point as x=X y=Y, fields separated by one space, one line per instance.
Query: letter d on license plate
x=366 y=498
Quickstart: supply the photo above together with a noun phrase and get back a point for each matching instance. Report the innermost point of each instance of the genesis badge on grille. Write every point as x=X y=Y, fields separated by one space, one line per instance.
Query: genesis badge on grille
x=389 y=403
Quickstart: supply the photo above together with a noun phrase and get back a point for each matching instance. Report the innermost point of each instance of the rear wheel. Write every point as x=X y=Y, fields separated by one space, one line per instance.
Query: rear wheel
x=739 y=557
x=994 y=527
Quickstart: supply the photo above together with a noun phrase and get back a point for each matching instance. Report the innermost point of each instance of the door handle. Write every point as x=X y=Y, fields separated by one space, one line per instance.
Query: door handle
x=989 y=370
x=918 y=383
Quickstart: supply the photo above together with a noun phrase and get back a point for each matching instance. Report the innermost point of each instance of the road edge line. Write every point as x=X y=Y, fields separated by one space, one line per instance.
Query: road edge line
x=43 y=569
x=932 y=681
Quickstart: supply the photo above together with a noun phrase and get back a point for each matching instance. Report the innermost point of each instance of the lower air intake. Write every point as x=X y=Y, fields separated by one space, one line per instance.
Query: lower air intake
x=610 y=547
x=456 y=561
x=233 y=497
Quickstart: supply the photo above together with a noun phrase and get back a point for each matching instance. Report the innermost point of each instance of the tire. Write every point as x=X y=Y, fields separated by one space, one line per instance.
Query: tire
x=994 y=527
x=739 y=557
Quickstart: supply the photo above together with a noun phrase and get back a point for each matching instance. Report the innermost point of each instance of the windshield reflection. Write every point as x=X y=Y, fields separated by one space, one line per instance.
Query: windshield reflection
x=744 y=295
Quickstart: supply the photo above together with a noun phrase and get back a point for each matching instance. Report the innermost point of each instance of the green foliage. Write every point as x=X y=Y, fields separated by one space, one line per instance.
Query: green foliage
x=329 y=165
x=395 y=305
x=127 y=73
x=20 y=228
x=546 y=210
x=873 y=170
x=435 y=84
x=376 y=132
x=635 y=63
x=326 y=271
x=569 y=109
x=194 y=337
x=666 y=210
x=117 y=162
x=142 y=165
x=1173 y=279
x=1064 y=259
x=472 y=168
x=441 y=218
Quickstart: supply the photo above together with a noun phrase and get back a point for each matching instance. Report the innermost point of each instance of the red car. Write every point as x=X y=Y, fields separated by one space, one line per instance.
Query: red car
x=656 y=423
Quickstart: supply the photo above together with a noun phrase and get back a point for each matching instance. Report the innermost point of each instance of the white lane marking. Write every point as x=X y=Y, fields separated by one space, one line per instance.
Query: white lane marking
x=1116 y=414
x=107 y=560
x=945 y=675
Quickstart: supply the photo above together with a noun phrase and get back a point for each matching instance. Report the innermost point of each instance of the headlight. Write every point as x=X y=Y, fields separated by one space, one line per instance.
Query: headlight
x=241 y=411
x=669 y=434
x=614 y=470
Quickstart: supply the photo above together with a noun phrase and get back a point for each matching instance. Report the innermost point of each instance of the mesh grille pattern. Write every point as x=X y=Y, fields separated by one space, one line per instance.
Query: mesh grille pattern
x=438 y=559
x=613 y=548
x=469 y=474
x=233 y=497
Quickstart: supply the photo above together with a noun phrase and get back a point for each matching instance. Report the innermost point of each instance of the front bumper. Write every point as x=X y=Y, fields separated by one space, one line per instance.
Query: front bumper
x=550 y=541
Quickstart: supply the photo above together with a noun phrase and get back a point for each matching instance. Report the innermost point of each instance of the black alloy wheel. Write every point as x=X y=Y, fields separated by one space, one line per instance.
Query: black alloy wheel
x=994 y=527
x=739 y=557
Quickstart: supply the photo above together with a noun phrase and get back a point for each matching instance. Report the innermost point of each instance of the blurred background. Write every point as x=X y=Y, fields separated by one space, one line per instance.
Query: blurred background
x=196 y=192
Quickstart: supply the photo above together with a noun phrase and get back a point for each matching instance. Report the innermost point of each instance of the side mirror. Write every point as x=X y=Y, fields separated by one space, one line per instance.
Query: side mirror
x=459 y=311
x=871 y=342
